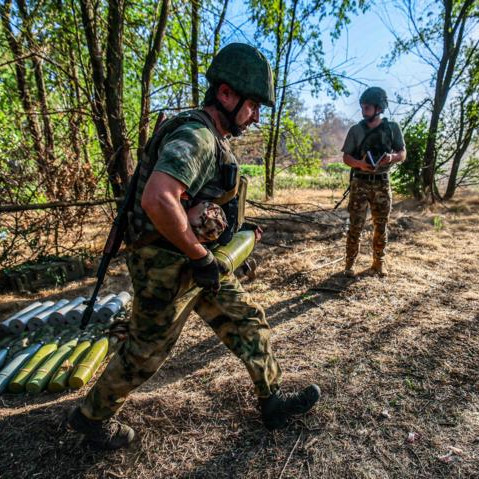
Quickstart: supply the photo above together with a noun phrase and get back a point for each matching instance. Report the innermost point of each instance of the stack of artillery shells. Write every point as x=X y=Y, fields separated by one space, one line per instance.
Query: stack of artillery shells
x=113 y=307
x=74 y=316
x=58 y=317
x=4 y=326
x=40 y=319
x=11 y=369
x=17 y=384
x=28 y=364
x=18 y=325
x=40 y=378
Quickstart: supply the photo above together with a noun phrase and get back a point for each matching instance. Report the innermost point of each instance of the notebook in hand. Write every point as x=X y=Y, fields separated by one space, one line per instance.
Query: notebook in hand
x=375 y=163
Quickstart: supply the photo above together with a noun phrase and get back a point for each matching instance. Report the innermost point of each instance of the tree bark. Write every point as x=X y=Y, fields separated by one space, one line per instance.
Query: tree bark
x=283 y=91
x=219 y=25
x=453 y=35
x=49 y=142
x=33 y=125
x=195 y=22
x=88 y=15
x=269 y=157
x=120 y=166
x=465 y=139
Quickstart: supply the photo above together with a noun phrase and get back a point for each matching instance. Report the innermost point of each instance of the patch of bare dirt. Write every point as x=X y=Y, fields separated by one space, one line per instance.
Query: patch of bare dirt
x=396 y=359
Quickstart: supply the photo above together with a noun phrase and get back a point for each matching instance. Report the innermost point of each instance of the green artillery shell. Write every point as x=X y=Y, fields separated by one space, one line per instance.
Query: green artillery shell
x=9 y=371
x=17 y=385
x=236 y=251
x=59 y=381
x=44 y=373
x=89 y=364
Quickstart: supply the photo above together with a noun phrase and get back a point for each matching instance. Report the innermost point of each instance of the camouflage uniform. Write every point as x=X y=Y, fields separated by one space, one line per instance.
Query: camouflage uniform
x=207 y=220
x=165 y=294
x=370 y=189
x=378 y=195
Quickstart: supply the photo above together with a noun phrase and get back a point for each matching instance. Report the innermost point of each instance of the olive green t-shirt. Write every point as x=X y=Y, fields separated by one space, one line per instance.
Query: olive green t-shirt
x=357 y=132
x=188 y=154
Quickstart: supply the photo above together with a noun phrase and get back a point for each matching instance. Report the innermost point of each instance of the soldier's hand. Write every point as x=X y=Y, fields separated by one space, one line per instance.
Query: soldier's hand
x=206 y=273
x=388 y=159
x=258 y=231
x=365 y=166
x=258 y=234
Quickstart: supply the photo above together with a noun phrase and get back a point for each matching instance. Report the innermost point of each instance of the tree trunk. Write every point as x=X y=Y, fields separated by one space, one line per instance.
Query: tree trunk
x=195 y=21
x=97 y=101
x=465 y=141
x=120 y=167
x=453 y=35
x=150 y=61
x=270 y=157
x=49 y=142
x=26 y=99
x=283 y=90
x=217 y=38
x=84 y=181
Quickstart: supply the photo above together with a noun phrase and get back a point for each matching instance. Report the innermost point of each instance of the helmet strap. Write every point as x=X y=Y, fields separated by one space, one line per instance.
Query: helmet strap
x=233 y=127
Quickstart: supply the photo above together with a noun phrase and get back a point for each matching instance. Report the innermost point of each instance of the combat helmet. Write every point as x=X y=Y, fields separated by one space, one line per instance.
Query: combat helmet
x=246 y=70
x=374 y=96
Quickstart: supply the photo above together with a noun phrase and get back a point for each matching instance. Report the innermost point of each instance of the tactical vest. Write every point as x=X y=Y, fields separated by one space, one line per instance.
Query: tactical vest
x=220 y=190
x=377 y=141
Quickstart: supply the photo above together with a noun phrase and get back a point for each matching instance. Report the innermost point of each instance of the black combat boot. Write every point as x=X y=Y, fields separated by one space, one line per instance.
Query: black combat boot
x=278 y=408
x=109 y=434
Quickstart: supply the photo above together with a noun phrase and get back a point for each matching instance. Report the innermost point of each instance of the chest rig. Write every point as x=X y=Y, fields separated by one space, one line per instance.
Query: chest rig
x=224 y=188
x=376 y=141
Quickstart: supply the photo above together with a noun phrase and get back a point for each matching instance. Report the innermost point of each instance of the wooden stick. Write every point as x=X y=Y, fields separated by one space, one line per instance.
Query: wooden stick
x=57 y=204
x=290 y=454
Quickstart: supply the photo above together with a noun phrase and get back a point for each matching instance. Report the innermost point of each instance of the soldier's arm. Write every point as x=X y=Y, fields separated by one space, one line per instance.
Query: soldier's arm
x=353 y=163
x=161 y=201
x=395 y=157
x=398 y=146
x=398 y=156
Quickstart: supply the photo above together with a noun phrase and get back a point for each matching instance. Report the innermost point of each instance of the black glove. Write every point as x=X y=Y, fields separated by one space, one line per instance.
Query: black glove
x=206 y=272
x=250 y=227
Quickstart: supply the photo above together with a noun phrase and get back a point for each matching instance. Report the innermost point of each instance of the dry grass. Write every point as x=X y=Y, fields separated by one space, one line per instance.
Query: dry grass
x=392 y=356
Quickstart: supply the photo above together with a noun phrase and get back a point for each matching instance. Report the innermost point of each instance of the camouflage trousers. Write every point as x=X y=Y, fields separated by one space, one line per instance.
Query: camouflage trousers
x=376 y=194
x=165 y=294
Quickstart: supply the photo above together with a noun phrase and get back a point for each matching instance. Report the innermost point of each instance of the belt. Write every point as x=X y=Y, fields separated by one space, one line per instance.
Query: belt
x=371 y=176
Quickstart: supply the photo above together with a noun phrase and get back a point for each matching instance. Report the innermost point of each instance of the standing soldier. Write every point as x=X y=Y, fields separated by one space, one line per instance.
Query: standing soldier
x=188 y=162
x=370 y=148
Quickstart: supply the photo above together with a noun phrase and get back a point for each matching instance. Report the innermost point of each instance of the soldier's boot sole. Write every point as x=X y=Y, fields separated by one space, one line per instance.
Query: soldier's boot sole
x=379 y=268
x=279 y=408
x=349 y=268
x=104 y=435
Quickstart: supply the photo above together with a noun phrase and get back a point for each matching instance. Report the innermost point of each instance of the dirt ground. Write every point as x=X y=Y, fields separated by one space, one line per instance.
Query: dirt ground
x=396 y=360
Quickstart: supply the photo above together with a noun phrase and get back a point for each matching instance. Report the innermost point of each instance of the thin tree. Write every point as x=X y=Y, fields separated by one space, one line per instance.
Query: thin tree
x=154 y=47
x=438 y=38
x=195 y=25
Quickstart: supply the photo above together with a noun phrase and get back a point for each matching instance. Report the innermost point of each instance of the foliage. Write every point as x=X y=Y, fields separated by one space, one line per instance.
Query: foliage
x=292 y=28
x=440 y=34
x=252 y=170
x=406 y=177
x=336 y=168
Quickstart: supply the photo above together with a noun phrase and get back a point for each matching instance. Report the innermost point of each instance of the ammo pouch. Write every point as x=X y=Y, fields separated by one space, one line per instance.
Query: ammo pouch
x=234 y=211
